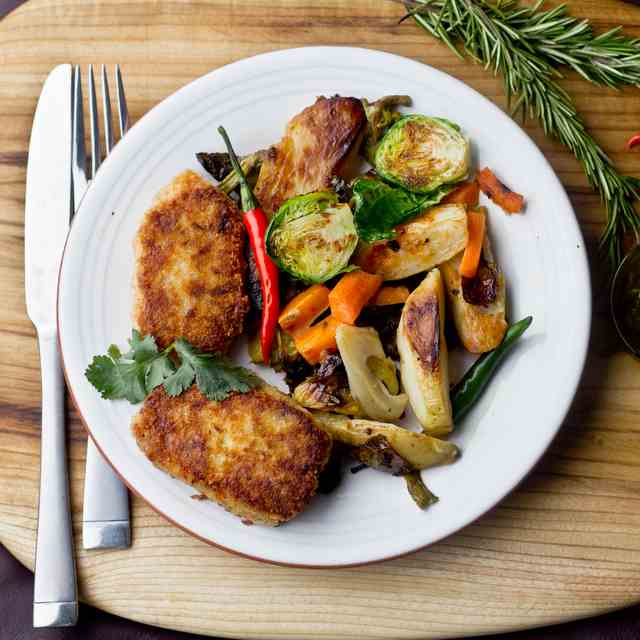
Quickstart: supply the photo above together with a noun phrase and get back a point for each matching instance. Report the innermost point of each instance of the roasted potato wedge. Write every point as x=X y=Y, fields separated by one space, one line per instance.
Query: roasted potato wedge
x=418 y=449
x=421 y=244
x=319 y=143
x=423 y=355
x=481 y=327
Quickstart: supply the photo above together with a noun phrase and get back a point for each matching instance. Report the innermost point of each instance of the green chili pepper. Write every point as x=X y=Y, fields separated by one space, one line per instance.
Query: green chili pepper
x=470 y=388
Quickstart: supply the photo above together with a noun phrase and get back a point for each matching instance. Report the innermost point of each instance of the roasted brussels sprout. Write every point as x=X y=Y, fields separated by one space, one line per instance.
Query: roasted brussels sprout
x=418 y=449
x=312 y=236
x=423 y=355
x=360 y=349
x=421 y=153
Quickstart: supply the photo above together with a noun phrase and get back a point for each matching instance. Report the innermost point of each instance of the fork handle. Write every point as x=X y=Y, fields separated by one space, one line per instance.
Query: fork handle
x=55 y=598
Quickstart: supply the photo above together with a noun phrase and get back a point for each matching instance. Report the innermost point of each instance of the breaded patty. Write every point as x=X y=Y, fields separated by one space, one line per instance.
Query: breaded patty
x=258 y=454
x=190 y=267
x=318 y=143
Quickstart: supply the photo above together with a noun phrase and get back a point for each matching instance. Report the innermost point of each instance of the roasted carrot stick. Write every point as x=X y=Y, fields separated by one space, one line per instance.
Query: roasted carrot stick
x=352 y=292
x=510 y=201
x=473 y=250
x=304 y=309
x=466 y=193
x=316 y=340
x=390 y=295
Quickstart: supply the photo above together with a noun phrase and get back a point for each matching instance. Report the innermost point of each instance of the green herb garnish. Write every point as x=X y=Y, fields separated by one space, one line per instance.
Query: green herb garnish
x=136 y=373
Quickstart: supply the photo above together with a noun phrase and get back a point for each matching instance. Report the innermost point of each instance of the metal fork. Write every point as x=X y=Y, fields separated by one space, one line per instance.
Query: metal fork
x=105 y=512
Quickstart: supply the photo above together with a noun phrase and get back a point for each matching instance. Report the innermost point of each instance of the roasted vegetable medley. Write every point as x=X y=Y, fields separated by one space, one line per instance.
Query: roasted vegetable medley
x=388 y=258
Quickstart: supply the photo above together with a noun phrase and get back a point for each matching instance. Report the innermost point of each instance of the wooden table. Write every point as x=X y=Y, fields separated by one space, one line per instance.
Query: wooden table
x=566 y=544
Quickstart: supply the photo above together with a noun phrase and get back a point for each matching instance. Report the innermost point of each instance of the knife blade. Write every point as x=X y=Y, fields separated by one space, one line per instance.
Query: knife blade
x=48 y=205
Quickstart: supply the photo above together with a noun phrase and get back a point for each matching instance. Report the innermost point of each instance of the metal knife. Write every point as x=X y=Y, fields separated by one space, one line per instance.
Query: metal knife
x=48 y=205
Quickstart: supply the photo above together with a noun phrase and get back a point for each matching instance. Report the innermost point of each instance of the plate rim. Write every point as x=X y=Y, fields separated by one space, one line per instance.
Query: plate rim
x=581 y=261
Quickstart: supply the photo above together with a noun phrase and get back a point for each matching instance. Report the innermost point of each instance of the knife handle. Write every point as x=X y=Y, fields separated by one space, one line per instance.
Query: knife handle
x=105 y=512
x=55 y=598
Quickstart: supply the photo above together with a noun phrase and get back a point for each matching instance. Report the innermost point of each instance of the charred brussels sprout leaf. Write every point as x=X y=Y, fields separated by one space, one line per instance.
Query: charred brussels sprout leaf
x=312 y=237
x=379 y=208
x=421 y=153
x=217 y=165
x=381 y=114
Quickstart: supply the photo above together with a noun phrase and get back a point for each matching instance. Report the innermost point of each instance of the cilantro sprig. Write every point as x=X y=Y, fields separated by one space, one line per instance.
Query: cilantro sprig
x=136 y=373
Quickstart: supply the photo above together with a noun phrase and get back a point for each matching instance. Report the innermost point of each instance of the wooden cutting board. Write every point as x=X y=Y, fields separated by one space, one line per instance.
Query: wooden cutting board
x=566 y=544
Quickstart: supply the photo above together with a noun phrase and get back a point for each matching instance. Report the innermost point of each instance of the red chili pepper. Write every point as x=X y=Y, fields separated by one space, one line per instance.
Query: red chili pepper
x=633 y=141
x=255 y=222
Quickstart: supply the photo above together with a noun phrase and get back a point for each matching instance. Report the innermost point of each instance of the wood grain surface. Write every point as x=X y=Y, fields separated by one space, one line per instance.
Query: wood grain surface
x=566 y=544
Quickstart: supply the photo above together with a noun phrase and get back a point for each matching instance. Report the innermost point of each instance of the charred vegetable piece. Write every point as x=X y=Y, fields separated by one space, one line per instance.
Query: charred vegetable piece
x=381 y=114
x=423 y=355
x=357 y=345
x=421 y=153
x=420 y=450
x=378 y=454
x=217 y=165
x=509 y=201
x=379 y=208
x=327 y=389
x=470 y=388
x=312 y=237
x=477 y=305
x=352 y=292
x=319 y=143
x=385 y=321
x=420 y=244
x=419 y=491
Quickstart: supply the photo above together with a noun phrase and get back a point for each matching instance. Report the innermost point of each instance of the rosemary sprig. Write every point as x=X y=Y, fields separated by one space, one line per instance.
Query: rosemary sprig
x=525 y=45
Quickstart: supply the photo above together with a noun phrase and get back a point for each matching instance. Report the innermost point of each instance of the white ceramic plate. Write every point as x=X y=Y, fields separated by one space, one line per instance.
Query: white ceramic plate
x=370 y=517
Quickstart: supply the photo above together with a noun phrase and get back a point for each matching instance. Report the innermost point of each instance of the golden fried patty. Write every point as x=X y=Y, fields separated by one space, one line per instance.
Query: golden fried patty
x=190 y=268
x=318 y=143
x=258 y=453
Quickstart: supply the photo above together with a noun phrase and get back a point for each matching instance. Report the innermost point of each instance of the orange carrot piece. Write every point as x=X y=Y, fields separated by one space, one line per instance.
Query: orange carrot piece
x=304 y=309
x=351 y=294
x=473 y=250
x=510 y=201
x=466 y=193
x=390 y=295
x=318 y=339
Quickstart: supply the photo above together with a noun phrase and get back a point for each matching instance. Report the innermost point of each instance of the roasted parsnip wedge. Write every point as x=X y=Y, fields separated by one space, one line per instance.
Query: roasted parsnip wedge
x=418 y=449
x=478 y=307
x=424 y=365
x=421 y=244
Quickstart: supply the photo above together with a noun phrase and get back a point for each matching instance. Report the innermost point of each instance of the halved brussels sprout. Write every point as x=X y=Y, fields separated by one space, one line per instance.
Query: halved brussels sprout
x=421 y=153
x=312 y=236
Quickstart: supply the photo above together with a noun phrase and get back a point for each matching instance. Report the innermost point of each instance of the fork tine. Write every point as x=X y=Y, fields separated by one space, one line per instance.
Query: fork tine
x=79 y=160
x=95 y=131
x=106 y=112
x=123 y=114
